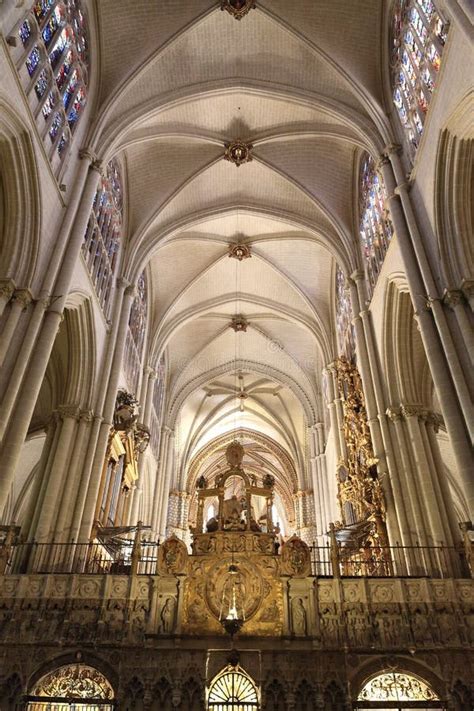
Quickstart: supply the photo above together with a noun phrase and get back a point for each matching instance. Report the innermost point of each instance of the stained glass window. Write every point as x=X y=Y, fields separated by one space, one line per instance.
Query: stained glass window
x=344 y=326
x=74 y=685
x=54 y=50
x=102 y=237
x=136 y=335
x=396 y=686
x=418 y=39
x=375 y=225
x=232 y=689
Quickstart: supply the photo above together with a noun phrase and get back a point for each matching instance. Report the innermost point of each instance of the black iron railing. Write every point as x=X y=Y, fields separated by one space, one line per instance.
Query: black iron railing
x=389 y=561
x=89 y=558
x=141 y=557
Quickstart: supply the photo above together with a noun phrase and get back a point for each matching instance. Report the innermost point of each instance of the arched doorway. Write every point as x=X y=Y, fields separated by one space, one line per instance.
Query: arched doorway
x=233 y=690
x=397 y=690
x=75 y=687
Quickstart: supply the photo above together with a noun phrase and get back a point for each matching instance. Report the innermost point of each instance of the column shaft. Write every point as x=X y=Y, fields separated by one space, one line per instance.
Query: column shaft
x=104 y=429
x=452 y=415
x=20 y=420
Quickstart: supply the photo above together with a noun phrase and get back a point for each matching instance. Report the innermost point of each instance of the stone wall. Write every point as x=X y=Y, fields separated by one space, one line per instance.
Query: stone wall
x=130 y=628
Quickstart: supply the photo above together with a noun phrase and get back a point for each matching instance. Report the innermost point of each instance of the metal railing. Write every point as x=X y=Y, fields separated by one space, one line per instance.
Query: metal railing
x=389 y=561
x=88 y=558
x=141 y=557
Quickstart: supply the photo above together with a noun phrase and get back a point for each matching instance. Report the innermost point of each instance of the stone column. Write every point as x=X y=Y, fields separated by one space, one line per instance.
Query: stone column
x=58 y=473
x=454 y=300
x=432 y=297
x=68 y=242
x=71 y=482
x=422 y=478
x=108 y=411
x=452 y=414
x=335 y=411
x=160 y=475
x=39 y=484
x=121 y=285
x=319 y=476
x=164 y=493
x=148 y=389
x=413 y=531
x=134 y=515
x=19 y=422
x=20 y=302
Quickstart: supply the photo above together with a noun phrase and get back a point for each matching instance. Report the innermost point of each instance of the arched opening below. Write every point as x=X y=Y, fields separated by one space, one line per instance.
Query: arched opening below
x=72 y=687
x=397 y=690
x=233 y=690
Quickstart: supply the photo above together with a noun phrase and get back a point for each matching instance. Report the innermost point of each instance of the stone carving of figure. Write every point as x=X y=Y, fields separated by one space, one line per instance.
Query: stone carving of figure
x=420 y=628
x=167 y=616
x=299 y=616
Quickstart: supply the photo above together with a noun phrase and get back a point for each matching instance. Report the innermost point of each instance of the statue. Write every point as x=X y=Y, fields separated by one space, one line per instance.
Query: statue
x=299 y=617
x=167 y=616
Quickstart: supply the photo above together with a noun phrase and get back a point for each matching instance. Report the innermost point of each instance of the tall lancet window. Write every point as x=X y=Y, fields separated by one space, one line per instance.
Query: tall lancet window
x=344 y=326
x=52 y=61
x=102 y=237
x=136 y=335
x=417 y=42
x=375 y=225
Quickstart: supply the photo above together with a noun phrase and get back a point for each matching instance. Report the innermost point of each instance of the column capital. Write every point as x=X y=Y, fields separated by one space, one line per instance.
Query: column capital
x=7 y=287
x=131 y=290
x=382 y=160
x=357 y=275
x=402 y=188
x=24 y=297
x=72 y=411
x=87 y=154
x=151 y=372
x=394 y=413
x=392 y=149
x=452 y=297
x=87 y=415
x=467 y=286
x=122 y=283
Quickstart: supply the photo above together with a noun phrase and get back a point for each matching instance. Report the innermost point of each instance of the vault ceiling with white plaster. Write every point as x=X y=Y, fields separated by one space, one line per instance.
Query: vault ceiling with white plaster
x=300 y=82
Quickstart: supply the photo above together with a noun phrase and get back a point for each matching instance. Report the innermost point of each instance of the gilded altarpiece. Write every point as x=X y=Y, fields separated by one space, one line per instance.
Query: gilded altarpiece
x=359 y=491
x=261 y=586
x=233 y=540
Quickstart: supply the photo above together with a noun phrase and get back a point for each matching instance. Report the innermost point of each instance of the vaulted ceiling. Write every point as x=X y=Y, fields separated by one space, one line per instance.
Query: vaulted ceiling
x=302 y=83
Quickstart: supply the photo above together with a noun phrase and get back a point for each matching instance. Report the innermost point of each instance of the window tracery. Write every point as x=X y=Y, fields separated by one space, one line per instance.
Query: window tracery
x=102 y=237
x=136 y=334
x=344 y=326
x=76 y=685
x=54 y=45
x=417 y=42
x=397 y=686
x=233 y=689
x=376 y=228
